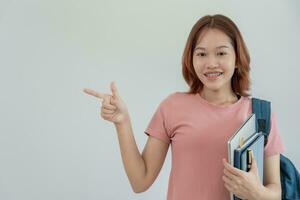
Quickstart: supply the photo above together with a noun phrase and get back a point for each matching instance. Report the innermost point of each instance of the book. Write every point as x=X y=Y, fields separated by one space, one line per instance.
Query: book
x=244 y=132
x=243 y=158
x=238 y=151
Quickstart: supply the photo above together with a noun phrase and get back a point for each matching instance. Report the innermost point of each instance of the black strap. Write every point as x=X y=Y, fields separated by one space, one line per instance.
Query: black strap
x=262 y=110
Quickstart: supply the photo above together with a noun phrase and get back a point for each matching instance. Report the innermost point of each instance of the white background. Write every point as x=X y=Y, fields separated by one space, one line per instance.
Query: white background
x=53 y=143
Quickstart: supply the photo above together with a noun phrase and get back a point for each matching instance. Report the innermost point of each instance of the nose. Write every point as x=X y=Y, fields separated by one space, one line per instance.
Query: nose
x=212 y=61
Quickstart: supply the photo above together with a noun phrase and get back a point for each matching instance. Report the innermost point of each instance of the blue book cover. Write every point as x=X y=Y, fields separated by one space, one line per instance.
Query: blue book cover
x=242 y=157
x=237 y=151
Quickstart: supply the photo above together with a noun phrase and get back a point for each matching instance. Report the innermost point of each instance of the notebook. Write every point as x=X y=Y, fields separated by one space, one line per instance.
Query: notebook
x=242 y=158
x=244 y=131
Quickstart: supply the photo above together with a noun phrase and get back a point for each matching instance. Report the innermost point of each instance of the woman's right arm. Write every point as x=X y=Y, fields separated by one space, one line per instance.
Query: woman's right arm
x=141 y=169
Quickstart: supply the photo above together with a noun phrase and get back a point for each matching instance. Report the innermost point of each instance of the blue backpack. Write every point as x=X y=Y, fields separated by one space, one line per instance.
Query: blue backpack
x=289 y=176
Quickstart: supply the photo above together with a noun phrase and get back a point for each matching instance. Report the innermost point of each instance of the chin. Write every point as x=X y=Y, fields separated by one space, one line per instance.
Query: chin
x=212 y=87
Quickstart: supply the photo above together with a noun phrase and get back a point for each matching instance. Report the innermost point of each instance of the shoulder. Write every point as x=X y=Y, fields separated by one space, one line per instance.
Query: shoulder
x=273 y=112
x=177 y=97
x=249 y=99
x=175 y=100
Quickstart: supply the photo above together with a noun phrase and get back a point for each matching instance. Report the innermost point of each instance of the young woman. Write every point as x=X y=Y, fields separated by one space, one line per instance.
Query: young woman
x=198 y=123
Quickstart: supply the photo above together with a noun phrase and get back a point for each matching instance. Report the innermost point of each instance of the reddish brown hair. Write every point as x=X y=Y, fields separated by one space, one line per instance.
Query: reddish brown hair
x=240 y=81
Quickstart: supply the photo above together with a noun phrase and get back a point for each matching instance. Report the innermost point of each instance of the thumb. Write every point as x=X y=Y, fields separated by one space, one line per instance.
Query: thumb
x=114 y=90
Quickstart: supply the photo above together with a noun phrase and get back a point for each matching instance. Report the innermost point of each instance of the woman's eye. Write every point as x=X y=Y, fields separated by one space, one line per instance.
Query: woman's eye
x=201 y=54
x=222 y=53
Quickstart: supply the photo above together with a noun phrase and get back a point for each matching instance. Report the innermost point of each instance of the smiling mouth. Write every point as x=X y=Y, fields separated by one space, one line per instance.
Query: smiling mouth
x=215 y=74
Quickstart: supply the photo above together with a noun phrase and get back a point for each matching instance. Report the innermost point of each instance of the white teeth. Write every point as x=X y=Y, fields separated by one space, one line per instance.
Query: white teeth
x=213 y=74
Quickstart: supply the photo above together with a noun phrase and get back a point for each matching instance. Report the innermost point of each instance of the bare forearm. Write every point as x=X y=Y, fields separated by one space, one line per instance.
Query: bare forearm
x=132 y=159
x=270 y=192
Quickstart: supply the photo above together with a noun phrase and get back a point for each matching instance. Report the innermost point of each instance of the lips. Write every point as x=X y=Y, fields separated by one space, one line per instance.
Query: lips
x=215 y=73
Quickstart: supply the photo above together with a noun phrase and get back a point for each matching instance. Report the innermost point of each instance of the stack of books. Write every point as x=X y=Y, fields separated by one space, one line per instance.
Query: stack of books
x=244 y=143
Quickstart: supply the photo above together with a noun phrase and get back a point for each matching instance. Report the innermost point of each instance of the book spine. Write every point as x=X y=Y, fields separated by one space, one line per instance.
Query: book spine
x=237 y=164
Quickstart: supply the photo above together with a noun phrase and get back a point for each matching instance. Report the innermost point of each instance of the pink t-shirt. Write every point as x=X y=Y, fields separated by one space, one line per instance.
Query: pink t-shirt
x=198 y=132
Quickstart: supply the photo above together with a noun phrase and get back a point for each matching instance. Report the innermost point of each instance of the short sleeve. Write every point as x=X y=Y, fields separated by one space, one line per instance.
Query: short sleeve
x=158 y=126
x=274 y=145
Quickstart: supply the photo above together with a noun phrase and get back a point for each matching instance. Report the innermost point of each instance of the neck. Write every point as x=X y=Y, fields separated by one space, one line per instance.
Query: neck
x=219 y=98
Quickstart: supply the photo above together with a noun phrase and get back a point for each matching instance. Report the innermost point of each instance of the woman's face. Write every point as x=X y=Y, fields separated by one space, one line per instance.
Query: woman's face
x=214 y=60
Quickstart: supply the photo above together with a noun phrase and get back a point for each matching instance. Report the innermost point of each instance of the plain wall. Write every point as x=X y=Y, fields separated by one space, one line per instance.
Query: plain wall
x=53 y=142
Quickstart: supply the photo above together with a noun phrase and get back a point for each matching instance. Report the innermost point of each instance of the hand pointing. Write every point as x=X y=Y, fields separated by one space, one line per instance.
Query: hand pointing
x=113 y=108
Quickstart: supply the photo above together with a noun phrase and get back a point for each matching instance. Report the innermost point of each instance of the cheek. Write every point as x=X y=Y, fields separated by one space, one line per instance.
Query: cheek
x=198 y=69
x=229 y=66
x=194 y=63
x=197 y=65
x=230 y=62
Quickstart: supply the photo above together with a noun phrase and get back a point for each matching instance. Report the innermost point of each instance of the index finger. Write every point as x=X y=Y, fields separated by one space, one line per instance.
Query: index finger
x=94 y=93
x=233 y=170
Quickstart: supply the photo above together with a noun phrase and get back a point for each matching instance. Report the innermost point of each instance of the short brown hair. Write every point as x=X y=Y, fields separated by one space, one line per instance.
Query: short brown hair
x=240 y=81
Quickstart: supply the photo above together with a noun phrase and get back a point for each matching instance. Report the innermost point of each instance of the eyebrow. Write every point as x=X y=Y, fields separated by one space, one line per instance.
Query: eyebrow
x=219 y=47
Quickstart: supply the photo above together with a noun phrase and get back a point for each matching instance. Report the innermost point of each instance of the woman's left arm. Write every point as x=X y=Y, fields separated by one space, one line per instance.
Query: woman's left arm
x=272 y=185
x=247 y=185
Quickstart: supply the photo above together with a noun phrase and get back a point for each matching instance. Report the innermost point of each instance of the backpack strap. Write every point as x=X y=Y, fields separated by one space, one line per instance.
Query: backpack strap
x=289 y=175
x=262 y=110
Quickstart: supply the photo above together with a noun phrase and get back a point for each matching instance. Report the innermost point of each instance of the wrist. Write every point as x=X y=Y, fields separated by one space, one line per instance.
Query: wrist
x=124 y=121
x=258 y=195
